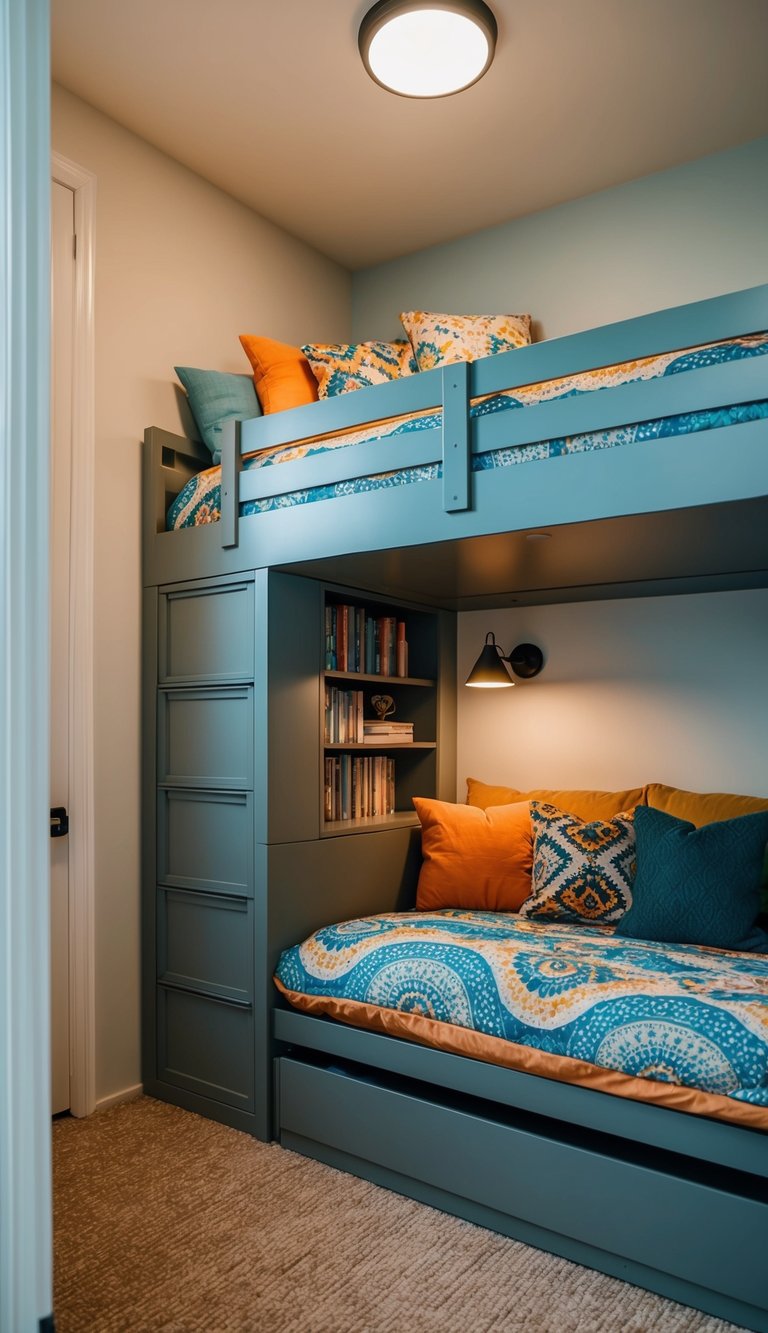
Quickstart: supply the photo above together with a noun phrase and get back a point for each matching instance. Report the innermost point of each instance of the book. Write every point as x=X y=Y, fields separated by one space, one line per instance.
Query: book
x=401 y=650
x=357 y=787
x=386 y=724
x=386 y=738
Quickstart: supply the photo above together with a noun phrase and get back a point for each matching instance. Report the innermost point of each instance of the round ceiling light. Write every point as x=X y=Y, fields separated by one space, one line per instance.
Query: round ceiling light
x=430 y=48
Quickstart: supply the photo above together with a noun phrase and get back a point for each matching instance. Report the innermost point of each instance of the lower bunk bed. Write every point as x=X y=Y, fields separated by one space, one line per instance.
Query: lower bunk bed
x=423 y=1051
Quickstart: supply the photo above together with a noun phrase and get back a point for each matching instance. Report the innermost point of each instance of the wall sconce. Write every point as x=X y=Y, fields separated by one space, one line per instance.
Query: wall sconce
x=526 y=660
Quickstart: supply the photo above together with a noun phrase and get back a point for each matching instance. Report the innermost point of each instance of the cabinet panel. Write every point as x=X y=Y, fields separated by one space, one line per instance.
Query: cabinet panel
x=206 y=1046
x=205 y=840
x=206 y=634
x=205 y=942
x=205 y=737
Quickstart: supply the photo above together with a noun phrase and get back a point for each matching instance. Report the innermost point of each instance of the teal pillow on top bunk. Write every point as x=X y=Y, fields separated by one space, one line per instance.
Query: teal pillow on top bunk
x=697 y=885
x=215 y=397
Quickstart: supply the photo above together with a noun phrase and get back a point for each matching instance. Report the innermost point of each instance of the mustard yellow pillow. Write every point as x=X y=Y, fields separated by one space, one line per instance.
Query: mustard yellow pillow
x=479 y=860
x=281 y=373
x=698 y=808
x=585 y=805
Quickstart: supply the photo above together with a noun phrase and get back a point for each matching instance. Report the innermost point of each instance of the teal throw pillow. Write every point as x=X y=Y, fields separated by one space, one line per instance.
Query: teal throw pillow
x=215 y=397
x=696 y=885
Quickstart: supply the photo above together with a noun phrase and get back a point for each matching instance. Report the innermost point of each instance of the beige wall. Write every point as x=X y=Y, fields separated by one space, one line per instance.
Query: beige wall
x=656 y=689
x=181 y=270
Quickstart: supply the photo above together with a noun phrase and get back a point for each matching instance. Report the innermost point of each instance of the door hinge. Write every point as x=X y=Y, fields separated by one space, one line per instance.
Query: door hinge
x=74 y=245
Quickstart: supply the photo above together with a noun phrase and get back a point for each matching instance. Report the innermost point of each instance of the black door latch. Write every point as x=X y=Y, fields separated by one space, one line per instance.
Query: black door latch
x=59 y=821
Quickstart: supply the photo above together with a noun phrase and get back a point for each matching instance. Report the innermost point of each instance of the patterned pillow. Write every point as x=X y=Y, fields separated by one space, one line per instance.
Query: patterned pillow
x=582 y=872
x=340 y=367
x=438 y=340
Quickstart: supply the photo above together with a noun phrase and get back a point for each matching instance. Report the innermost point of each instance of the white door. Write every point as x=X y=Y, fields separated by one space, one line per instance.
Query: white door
x=62 y=306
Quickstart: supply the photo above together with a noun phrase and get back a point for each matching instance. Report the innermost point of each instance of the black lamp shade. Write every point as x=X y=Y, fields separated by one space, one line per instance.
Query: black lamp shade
x=489 y=672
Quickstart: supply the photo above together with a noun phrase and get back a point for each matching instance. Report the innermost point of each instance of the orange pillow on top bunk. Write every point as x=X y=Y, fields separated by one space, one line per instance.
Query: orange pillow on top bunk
x=585 y=805
x=478 y=860
x=281 y=373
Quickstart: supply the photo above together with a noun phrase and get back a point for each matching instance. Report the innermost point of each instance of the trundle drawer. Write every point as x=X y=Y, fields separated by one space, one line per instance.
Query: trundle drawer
x=206 y=1046
x=205 y=840
x=206 y=634
x=527 y=1178
x=205 y=737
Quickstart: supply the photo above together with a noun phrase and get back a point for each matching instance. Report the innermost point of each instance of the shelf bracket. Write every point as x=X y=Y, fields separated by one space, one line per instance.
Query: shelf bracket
x=456 y=474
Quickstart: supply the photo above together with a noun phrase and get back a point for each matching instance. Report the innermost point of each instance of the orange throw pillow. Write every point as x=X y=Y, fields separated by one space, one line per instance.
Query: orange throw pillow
x=282 y=374
x=586 y=805
x=474 y=859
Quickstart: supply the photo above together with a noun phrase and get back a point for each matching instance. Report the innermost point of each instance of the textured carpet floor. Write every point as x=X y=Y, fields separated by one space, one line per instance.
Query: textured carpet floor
x=165 y=1221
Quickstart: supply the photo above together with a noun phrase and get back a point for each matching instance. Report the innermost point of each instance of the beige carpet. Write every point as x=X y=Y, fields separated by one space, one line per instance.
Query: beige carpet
x=167 y=1221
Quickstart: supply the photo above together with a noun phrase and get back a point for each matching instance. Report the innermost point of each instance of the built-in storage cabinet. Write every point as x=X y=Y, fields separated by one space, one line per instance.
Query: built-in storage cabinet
x=379 y=711
x=201 y=973
x=235 y=831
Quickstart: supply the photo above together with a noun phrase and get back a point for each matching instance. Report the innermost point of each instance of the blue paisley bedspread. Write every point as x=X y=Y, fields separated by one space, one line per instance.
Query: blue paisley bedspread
x=676 y=1014
x=199 y=501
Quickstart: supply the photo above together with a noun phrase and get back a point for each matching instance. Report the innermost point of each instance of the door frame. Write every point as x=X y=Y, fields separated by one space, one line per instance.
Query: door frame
x=82 y=855
x=25 y=320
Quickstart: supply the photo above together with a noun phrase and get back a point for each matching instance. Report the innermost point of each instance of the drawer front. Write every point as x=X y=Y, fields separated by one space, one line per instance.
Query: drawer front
x=520 y=1174
x=205 y=840
x=205 y=737
x=206 y=1046
x=206 y=943
x=206 y=634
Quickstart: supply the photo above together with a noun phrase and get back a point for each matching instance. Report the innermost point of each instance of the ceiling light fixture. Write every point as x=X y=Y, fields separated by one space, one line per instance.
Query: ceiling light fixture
x=427 y=48
x=488 y=673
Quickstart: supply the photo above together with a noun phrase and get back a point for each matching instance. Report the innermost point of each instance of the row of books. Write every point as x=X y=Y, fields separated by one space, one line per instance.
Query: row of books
x=358 y=786
x=343 y=716
x=357 y=641
x=344 y=723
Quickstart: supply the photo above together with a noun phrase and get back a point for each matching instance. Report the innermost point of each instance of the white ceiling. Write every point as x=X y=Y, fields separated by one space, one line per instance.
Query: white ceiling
x=270 y=102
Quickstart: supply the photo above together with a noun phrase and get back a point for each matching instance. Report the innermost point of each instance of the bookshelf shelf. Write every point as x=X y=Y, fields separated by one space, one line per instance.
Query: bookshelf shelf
x=423 y=682
x=365 y=748
x=380 y=773
x=372 y=824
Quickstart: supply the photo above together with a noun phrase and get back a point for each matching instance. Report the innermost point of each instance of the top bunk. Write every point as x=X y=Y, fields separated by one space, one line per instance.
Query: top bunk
x=645 y=478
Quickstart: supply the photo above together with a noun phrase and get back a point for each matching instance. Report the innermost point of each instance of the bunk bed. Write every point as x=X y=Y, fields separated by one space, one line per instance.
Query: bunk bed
x=672 y=1201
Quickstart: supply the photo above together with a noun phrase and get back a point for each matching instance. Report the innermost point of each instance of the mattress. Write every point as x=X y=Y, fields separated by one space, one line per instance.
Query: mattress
x=679 y=1025
x=199 y=501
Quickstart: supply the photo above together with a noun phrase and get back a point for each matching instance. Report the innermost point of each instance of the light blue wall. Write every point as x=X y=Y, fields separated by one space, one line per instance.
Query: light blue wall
x=633 y=691
x=677 y=236
x=647 y=689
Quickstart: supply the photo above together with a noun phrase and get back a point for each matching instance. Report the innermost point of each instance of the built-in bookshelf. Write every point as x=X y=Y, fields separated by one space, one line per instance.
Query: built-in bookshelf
x=378 y=712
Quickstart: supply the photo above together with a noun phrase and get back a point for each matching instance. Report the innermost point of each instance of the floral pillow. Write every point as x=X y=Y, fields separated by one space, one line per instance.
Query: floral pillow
x=341 y=367
x=439 y=340
x=582 y=871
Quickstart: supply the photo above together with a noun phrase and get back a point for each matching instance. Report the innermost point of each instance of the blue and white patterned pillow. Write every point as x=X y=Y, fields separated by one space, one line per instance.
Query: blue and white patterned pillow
x=582 y=871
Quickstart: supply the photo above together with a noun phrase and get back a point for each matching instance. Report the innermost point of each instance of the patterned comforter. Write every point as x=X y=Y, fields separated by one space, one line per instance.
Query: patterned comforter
x=199 y=501
x=677 y=1024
